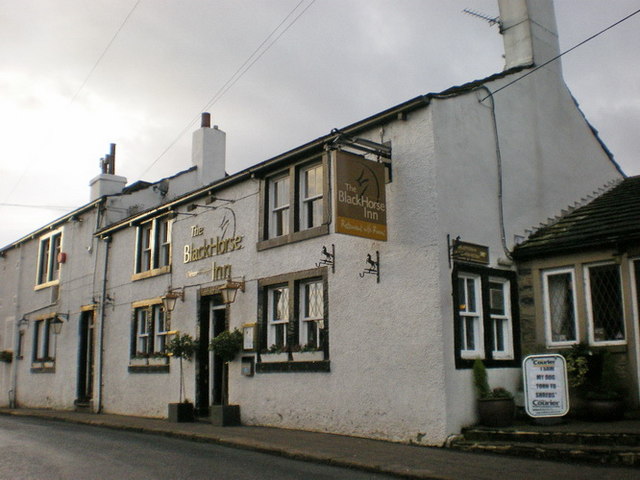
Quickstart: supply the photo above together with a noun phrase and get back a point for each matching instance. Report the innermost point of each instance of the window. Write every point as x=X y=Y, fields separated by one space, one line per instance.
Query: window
x=43 y=341
x=293 y=320
x=278 y=317
x=149 y=331
x=470 y=312
x=295 y=206
x=279 y=205
x=560 y=307
x=500 y=312
x=604 y=304
x=48 y=253
x=485 y=316
x=311 y=190
x=311 y=314
x=153 y=246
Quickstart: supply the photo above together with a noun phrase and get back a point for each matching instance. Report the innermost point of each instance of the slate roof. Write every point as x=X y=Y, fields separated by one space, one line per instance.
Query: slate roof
x=611 y=220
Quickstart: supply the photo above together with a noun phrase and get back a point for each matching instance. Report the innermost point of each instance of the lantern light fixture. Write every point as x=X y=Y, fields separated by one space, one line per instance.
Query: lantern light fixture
x=169 y=299
x=229 y=290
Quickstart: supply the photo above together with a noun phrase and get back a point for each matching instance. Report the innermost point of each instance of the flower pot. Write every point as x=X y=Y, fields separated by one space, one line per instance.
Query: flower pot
x=605 y=410
x=225 y=415
x=181 y=412
x=496 y=412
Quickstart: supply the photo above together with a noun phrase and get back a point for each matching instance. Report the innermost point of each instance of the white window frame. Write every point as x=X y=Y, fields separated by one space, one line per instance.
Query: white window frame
x=306 y=321
x=307 y=202
x=272 y=321
x=589 y=305
x=547 y=306
x=158 y=249
x=279 y=215
x=43 y=341
x=476 y=316
x=48 y=264
x=150 y=332
x=506 y=319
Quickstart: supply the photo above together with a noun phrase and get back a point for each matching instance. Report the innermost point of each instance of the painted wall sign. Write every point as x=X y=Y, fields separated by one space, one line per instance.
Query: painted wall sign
x=470 y=252
x=546 y=390
x=361 y=208
x=224 y=242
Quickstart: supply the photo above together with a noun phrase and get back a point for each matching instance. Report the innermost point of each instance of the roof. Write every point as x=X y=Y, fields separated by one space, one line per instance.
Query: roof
x=611 y=220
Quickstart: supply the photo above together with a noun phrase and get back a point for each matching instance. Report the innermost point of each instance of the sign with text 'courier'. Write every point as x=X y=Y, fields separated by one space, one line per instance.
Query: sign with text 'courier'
x=361 y=207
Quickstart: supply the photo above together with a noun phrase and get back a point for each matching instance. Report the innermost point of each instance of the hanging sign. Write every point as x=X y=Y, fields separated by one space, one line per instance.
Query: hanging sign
x=361 y=208
x=546 y=390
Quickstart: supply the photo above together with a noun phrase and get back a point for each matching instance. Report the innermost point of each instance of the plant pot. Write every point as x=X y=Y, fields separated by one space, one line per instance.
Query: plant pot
x=181 y=412
x=605 y=410
x=496 y=412
x=225 y=415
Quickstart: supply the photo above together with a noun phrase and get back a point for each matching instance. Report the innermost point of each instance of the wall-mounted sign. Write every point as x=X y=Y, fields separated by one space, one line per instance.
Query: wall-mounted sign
x=248 y=336
x=470 y=252
x=546 y=390
x=361 y=208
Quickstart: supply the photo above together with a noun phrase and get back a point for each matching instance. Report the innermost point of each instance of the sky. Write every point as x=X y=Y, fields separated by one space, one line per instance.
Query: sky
x=78 y=75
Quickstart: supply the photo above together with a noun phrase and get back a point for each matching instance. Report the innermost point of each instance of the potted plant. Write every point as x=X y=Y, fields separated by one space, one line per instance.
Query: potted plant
x=181 y=346
x=6 y=356
x=226 y=346
x=604 y=399
x=496 y=407
x=578 y=360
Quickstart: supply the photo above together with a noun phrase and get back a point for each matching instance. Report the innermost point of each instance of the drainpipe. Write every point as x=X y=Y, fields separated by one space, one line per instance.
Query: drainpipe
x=503 y=235
x=107 y=241
x=13 y=392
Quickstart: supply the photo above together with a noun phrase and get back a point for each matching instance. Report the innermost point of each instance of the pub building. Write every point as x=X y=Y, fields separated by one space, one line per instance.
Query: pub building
x=365 y=269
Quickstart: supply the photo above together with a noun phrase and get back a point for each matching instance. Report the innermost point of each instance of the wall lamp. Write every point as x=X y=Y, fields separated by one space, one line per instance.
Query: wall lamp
x=229 y=290
x=169 y=299
x=57 y=322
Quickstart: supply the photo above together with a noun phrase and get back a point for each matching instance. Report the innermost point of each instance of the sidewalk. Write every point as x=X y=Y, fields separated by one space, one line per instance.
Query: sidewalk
x=405 y=461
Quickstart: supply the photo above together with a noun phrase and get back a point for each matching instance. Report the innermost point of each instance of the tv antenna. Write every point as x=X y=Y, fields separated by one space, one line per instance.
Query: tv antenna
x=492 y=20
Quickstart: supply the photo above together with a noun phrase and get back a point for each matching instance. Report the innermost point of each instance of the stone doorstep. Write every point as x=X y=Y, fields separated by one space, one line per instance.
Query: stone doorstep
x=594 y=454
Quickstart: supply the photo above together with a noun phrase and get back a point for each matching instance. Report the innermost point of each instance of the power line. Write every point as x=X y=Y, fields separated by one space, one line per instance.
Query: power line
x=563 y=53
x=47 y=207
x=75 y=95
x=239 y=73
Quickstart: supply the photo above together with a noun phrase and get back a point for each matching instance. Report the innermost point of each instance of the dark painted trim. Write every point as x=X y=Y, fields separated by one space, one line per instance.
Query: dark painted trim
x=290 y=367
x=148 y=369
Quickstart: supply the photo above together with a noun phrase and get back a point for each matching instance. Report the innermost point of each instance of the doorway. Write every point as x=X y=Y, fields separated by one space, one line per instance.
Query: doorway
x=210 y=383
x=84 y=393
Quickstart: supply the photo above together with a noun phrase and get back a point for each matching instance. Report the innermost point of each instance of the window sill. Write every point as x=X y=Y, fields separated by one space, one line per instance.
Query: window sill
x=148 y=369
x=43 y=367
x=289 y=367
x=151 y=273
x=293 y=237
x=42 y=286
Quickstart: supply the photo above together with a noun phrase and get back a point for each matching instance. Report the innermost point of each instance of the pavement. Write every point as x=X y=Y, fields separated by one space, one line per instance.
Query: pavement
x=396 y=459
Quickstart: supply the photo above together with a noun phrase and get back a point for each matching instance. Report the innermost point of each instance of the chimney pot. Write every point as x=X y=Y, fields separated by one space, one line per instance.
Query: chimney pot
x=205 y=121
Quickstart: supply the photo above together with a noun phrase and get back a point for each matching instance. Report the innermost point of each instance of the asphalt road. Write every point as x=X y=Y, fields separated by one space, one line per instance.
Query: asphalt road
x=41 y=449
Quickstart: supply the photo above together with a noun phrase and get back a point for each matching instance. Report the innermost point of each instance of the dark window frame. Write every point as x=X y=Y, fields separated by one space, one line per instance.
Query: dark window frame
x=295 y=232
x=486 y=274
x=294 y=281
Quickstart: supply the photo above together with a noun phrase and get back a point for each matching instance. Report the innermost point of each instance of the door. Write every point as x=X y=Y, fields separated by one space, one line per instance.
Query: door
x=211 y=382
x=85 y=358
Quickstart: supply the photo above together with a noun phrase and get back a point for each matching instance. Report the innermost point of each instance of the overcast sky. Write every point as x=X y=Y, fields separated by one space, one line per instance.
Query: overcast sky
x=65 y=96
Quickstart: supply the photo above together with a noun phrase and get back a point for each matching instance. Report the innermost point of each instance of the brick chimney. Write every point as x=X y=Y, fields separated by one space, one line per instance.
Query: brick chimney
x=209 y=151
x=529 y=33
x=107 y=183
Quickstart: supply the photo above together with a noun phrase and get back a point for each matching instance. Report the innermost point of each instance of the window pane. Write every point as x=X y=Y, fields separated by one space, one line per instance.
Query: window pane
x=44 y=260
x=164 y=240
x=560 y=305
x=606 y=303
x=281 y=192
x=469 y=333
x=313 y=305
x=496 y=296
x=280 y=304
x=499 y=334
x=56 y=248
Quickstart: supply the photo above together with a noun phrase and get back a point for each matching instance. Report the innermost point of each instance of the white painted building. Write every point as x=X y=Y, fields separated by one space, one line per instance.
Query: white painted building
x=443 y=186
